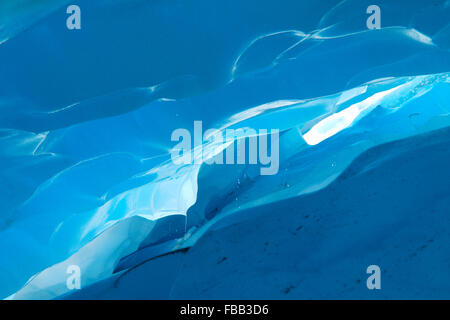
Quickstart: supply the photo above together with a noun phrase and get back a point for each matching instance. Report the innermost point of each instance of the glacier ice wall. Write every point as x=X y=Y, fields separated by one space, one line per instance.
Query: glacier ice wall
x=86 y=118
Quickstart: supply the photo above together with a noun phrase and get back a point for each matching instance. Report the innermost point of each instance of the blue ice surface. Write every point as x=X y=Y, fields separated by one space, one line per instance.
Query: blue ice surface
x=85 y=171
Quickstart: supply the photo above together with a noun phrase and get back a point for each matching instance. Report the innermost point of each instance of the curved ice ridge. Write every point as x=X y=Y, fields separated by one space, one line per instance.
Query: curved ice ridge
x=324 y=130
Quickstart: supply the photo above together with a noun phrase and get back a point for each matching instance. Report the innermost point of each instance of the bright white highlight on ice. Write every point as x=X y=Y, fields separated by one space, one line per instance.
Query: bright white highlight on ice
x=337 y=122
